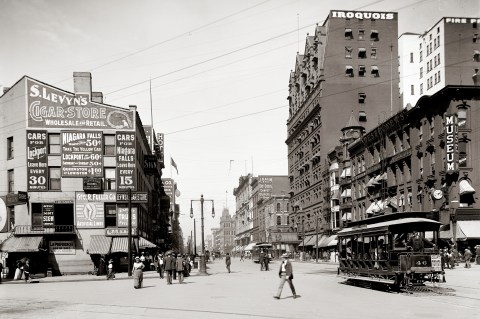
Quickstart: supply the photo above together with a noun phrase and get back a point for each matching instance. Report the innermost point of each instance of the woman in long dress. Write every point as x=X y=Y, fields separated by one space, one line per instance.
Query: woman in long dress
x=138 y=273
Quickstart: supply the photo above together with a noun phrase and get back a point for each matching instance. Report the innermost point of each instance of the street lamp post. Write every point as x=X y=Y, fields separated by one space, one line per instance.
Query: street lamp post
x=203 y=265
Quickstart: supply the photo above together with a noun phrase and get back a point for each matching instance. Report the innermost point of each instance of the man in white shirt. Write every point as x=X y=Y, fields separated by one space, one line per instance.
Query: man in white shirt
x=286 y=274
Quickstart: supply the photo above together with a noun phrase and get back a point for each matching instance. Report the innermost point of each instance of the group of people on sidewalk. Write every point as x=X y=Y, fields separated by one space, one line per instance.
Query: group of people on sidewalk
x=175 y=266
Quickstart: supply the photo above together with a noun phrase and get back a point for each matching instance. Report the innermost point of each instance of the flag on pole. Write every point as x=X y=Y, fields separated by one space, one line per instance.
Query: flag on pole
x=172 y=162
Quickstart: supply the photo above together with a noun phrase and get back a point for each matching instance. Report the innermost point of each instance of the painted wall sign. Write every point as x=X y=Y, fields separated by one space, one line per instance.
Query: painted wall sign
x=126 y=158
x=37 y=167
x=90 y=209
x=62 y=247
x=49 y=107
x=122 y=216
x=462 y=20
x=119 y=232
x=364 y=15
x=82 y=154
x=265 y=187
x=451 y=143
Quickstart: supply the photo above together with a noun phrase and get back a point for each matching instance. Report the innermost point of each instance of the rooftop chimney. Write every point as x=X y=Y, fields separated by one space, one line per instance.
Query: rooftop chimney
x=97 y=97
x=82 y=83
x=132 y=107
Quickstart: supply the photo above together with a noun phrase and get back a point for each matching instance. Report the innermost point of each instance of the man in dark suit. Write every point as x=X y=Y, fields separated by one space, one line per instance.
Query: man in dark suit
x=228 y=261
x=169 y=267
x=286 y=274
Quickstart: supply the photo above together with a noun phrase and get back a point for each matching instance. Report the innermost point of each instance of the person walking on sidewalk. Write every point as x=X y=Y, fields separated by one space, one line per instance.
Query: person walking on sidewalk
x=286 y=274
x=228 y=262
x=161 y=265
x=467 y=254
x=179 y=267
x=26 y=271
x=110 y=274
x=169 y=267
x=242 y=255
x=138 y=273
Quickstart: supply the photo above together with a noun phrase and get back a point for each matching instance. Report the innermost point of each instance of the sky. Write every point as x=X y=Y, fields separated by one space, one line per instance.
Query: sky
x=218 y=72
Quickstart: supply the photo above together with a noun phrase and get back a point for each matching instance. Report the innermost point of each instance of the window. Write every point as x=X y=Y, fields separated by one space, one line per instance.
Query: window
x=362 y=53
x=421 y=56
x=278 y=207
x=348 y=52
x=374 y=35
x=279 y=220
x=476 y=55
x=11 y=218
x=10 y=147
x=421 y=88
x=375 y=72
x=53 y=143
x=462 y=153
x=109 y=145
x=11 y=181
x=348 y=34
x=37 y=218
x=421 y=72
x=475 y=38
x=110 y=178
x=411 y=57
x=462 y=118
x=412 y=90
x=361 y=98
x=361 y=70
x=110 y=215
x=362 y=116
x=54 y=178
x=349 y=71
x=373 y=53
x=361 y=34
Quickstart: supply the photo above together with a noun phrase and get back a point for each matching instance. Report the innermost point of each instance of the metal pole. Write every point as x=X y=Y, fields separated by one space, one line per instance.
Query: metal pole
x=129 y=232
x=203 y=265
x=194 y=237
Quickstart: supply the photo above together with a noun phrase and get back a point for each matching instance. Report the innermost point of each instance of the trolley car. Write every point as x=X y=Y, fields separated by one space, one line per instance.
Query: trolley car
x=380 y=250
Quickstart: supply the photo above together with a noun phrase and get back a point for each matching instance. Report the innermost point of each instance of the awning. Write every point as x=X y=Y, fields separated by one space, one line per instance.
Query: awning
x=465 y=187
x=21 y=244
x=143 y=243
x=374 y=207
x=120 y=245
x=250 y=246
x=327 y=241
x=371 y=182
x=346 y=216
x=334 y=165
x=307 y=241
x=466 y=229
x=100 y=244
x=347 y=193
x=335 y=194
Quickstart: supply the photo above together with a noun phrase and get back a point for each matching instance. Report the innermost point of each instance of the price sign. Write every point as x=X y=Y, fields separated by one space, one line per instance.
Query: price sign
x=82 y=154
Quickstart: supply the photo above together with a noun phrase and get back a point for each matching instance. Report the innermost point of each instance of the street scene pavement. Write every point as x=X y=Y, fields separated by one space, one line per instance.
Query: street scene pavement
x=245 y=292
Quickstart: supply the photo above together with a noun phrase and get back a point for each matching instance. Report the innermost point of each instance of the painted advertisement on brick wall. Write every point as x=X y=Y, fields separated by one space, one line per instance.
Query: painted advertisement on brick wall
x=82 y=154
x=125 y=152
x=90 y=209
x=49 y=107
x=37 y=166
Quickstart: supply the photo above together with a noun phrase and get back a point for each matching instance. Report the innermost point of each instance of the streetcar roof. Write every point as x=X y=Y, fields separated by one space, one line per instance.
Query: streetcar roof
x=424 y=224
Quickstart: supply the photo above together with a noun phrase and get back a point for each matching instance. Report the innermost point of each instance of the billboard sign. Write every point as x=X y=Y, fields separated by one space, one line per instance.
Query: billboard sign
x=62 y=247
x=90 y=209
x=49 y=107
x=265 y=187
x=82 y=154
x=122 y=216
x=37 y=166
x=48 y=217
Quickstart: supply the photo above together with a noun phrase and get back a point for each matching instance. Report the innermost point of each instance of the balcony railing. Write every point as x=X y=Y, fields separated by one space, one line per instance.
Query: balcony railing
x=41 y=230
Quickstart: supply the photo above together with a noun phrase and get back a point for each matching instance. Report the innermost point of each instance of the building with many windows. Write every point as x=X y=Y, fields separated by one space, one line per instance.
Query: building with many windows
x=70 y=165
x=447 y=54
x=348 y=65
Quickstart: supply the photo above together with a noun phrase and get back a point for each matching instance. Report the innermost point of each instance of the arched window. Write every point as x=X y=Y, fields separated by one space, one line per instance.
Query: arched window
x=278 y=207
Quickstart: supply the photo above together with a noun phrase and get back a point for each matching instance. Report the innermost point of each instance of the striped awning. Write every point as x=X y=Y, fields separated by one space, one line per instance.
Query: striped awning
x=465 y=187
x=120 y=245
x=143 y=243
x=21 y=244
x=99 y=244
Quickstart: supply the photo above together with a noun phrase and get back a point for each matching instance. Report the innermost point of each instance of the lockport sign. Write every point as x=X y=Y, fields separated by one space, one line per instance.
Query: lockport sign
x=37 y=169
x=49 y=107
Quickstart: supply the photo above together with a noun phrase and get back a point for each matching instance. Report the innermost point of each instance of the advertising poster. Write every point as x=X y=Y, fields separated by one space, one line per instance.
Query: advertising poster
x=265 y=187
x=37 y=168
x=82 y=154
x=125 y=150
x=90 y=209
x=122 y=216
x=49 y=107
x=48 y=215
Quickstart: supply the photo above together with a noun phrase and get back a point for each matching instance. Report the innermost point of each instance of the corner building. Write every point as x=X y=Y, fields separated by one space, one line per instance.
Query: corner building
x=71 y=161
x=348 y=65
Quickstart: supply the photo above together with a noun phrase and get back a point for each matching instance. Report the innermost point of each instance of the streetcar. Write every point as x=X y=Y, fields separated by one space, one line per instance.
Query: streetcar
x=257 y=250
x=379 y=250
